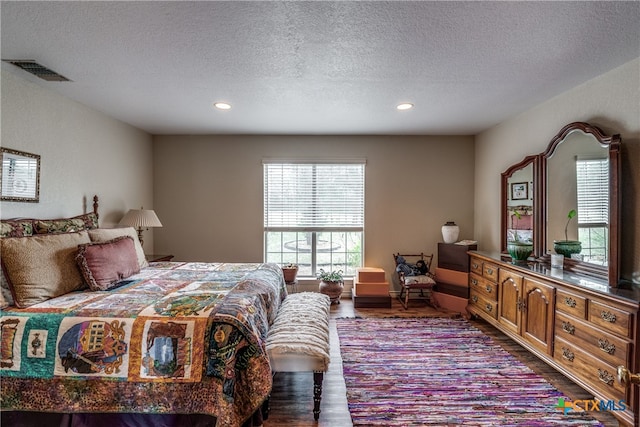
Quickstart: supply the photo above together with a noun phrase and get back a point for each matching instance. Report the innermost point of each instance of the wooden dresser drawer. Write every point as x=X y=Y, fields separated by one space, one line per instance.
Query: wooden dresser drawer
x=483 y=286
x=602 y=345
x=599 y=374
x=485 y=305
x=610 y=318
x=490 y=271
x=475 y=266
x=572 y=304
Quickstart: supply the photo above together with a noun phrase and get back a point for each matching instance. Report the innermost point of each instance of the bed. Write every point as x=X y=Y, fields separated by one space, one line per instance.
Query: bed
x=93 y=333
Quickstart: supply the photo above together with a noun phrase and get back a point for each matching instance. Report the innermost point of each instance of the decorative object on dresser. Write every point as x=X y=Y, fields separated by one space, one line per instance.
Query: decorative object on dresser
x=450 y=232
x=141 y=219
x=19 y=176
x=568 y=247
x=331 y=284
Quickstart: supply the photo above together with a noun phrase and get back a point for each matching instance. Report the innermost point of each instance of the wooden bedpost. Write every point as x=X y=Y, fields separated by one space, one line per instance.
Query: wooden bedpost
x=95 y=205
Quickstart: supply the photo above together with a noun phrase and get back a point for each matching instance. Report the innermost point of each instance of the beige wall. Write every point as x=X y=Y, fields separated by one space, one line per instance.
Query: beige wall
x=208 y=191
x=611 y=102
x=83 y=152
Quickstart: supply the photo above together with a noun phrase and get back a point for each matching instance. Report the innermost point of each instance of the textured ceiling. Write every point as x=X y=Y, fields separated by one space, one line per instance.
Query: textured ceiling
x=318 y=67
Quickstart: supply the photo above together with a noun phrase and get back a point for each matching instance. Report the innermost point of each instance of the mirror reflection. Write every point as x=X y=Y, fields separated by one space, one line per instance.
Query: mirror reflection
x=520 y=205
x=519 y=234
x=578 y=199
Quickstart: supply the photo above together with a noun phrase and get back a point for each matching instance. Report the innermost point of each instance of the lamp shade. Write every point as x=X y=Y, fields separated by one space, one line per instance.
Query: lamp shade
x=141 y=218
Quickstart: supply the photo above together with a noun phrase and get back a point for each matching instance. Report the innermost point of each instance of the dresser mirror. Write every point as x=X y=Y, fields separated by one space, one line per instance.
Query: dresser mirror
x=518 y=203
x=580 y=172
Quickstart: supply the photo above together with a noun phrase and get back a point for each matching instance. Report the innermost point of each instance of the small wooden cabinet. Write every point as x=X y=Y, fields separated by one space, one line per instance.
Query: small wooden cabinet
x=577 y=325
x=454 y=256
x=526 y=308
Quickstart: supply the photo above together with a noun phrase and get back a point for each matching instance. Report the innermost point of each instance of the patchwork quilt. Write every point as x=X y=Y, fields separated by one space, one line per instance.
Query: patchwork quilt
x=175 y=338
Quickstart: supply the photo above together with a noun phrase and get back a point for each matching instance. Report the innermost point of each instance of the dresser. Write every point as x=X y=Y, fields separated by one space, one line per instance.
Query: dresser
x=578 y=325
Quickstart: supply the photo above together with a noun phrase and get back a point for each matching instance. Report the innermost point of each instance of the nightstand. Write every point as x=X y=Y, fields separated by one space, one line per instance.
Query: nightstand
x=158 y=258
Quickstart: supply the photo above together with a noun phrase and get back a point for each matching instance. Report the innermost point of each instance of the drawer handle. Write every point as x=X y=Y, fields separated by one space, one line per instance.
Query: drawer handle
x=474 y=298
x=608 y=316
x=489 y=308
x=489 y=270
x=474 y=282
x=605 y=377
x=475 y=266
x=568 y=354
x=570 y=302
x=605 y=346
x=489 y=288
x=568 y=328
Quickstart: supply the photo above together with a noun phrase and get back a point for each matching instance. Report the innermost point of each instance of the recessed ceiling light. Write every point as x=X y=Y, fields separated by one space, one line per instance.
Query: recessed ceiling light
x=222 y=106
x=404 y=106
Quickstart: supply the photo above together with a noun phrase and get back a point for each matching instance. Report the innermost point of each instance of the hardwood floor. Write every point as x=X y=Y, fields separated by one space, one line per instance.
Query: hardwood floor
x=292 y=396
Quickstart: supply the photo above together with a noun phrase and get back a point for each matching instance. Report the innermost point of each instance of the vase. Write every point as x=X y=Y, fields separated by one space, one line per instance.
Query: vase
x=519 y=251
x=567 y=247
x=450 y=232
x=290 y=274
x=332 y=289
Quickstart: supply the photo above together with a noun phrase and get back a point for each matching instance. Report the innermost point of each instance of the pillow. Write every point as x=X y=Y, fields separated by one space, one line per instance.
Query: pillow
x=106 y=234
x=6 y=299
x=16 y=228
x=104 y=264
x=412 y=280
x=42 y=267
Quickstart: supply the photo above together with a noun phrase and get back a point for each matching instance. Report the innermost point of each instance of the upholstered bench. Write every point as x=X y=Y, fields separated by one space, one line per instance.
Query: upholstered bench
x=298 y=340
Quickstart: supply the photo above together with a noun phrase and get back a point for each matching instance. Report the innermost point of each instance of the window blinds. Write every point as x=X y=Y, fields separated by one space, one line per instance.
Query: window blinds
x=310 y=196
x=593 y=191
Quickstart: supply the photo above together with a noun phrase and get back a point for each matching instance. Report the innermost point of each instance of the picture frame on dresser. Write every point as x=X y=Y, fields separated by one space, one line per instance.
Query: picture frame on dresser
x=19 y=176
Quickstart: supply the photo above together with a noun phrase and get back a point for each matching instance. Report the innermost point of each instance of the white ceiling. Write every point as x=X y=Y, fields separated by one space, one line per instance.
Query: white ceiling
x=318 y=67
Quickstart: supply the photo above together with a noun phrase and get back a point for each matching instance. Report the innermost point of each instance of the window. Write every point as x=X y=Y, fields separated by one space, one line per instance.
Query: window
x=593 y=209
x=314 y=216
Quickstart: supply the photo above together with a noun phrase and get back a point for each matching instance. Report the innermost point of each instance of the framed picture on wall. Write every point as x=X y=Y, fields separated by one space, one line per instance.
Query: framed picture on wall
x=519 y=191
x=19 y=176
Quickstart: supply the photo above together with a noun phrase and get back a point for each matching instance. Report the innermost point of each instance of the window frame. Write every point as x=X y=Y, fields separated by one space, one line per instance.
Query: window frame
x=352 y=234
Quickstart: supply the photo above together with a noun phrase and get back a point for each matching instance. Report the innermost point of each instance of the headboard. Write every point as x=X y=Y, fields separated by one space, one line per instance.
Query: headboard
x=24 y=227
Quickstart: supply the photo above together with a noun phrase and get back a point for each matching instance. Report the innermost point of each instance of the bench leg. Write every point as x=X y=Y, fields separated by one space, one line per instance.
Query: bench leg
x=317 y=393
x=266 y=408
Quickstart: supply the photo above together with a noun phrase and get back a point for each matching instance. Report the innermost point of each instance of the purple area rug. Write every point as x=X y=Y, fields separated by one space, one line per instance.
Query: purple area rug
x=441 y=372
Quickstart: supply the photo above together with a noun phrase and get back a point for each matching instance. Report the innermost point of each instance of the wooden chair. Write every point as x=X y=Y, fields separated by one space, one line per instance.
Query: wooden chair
x=412 y=282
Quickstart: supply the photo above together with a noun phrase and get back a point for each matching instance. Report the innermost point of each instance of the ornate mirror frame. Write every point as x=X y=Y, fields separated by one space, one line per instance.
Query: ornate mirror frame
x=611 y=272
x=506 y=196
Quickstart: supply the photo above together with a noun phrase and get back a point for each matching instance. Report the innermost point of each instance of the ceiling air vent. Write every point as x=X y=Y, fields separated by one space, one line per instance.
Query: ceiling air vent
x=38 y=70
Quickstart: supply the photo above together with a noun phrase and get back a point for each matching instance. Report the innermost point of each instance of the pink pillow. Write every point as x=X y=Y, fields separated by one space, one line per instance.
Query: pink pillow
x=104 y=264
